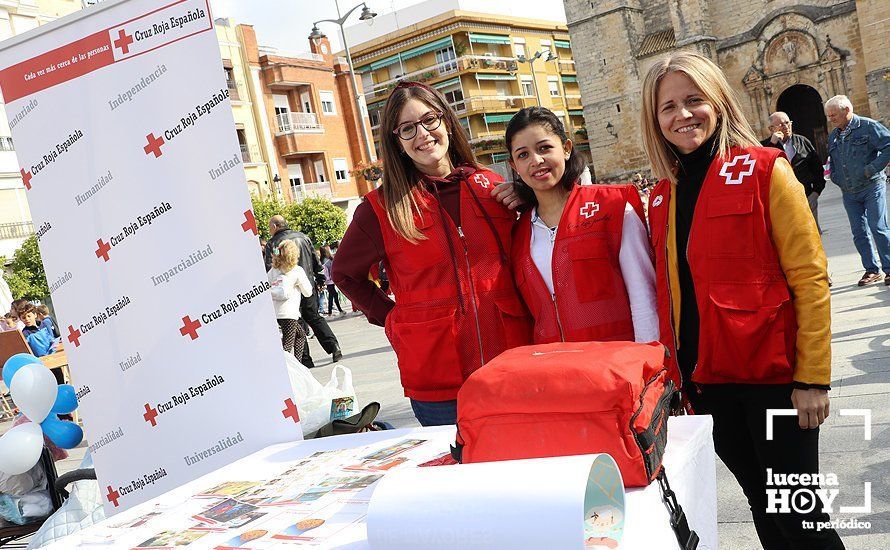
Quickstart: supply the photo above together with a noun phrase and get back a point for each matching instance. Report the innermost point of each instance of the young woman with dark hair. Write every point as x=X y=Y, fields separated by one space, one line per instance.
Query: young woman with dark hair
x=581 y=254
x=444 y=242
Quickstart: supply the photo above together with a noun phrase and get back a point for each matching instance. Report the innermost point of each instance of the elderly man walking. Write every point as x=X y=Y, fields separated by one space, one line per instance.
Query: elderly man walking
x=801 y=154
x=858 y=151
x=279 y=230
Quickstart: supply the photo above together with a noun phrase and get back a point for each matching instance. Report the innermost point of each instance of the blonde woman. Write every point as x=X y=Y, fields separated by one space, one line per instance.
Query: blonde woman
x=444 y=242
x=289 y=282
x=742 y=291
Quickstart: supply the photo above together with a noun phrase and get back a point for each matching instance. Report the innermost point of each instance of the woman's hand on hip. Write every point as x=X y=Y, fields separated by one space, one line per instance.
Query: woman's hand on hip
x=812 y=407
x=506 y=195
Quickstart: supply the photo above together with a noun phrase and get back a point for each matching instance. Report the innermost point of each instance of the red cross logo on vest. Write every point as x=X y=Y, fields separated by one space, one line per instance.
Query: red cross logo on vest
x=123 y=41
x=113 y=496
x=482 y=180
x=589 y=209
x=736 y=171
x=658 y=200
x=26 y=179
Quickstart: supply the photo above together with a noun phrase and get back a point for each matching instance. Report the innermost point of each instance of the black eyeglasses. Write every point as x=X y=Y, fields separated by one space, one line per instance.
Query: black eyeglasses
x=408 y=130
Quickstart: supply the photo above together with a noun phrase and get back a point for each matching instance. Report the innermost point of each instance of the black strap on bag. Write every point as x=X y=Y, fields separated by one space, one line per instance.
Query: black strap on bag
x=687 y=538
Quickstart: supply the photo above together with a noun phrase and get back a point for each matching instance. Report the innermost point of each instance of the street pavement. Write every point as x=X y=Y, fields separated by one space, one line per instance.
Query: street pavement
x=860 y=380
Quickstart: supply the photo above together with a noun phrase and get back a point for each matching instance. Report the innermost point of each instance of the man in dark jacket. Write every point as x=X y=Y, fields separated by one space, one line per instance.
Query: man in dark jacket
x=803 y=157
x=280 y=231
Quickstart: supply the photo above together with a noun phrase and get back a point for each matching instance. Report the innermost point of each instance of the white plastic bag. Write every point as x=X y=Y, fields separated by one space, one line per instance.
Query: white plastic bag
x=342 y=395
x=313 y=401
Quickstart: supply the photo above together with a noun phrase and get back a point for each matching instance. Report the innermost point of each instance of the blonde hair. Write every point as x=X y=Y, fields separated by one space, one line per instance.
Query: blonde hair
x=400 y=193
x=286 y=256
x=733 y=128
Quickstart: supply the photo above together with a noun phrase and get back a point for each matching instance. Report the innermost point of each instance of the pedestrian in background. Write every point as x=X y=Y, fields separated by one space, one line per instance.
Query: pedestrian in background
x=858 y=152
x=327 y=261
x=804 y=159
x=289 y=284
x=280 y=231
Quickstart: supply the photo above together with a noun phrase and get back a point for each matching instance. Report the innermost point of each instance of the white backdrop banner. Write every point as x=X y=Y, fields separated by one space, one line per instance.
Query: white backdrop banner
x=124 y=132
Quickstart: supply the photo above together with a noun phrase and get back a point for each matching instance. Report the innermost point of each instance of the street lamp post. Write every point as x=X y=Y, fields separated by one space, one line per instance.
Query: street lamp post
x=366 y=15
x=531 y=63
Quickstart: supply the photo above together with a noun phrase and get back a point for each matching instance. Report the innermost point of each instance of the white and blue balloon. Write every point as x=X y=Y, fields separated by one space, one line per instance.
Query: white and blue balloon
x=33 y=388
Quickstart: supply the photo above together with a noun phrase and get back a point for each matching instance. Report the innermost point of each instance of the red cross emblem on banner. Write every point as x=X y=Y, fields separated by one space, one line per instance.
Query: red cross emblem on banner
x=736 y=170
x=73 y=335
x=589 y=209
x=482 y=180
x=249 y=223
x=190 y=327
x=102 y=251
x=150 y=415
x=123 y=41
x=290 y=410
x=113 y=496
x=154 y=145
x=26 y=179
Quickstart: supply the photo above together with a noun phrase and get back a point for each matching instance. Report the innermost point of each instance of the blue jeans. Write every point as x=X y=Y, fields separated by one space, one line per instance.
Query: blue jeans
x=435 y=413
x=867 y=211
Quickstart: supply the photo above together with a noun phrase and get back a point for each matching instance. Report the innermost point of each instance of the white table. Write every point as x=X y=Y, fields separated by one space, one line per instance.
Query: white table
x=689 y=461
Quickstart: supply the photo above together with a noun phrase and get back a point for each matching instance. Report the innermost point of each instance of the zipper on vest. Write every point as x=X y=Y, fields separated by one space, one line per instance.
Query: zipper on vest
x=562 y=336
x=463 y=241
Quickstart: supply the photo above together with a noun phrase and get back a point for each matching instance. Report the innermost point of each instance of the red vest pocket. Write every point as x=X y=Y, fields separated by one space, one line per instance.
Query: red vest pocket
x=515 y=323
x=743 y=334
x=426 y=350
x=731 y=226
x=591 y=259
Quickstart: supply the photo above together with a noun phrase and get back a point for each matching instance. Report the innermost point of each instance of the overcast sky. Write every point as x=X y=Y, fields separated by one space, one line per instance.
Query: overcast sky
x=286 y=24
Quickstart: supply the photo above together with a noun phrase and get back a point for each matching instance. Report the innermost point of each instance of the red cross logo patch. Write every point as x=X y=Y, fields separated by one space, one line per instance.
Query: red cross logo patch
x=589 y=209
x=736 y=170
x=482 y=180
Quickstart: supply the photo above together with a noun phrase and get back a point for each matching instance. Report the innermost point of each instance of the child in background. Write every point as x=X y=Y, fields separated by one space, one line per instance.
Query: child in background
x=45 y=321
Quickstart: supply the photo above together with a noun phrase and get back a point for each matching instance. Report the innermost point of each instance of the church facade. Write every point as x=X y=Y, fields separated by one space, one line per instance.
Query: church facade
x=782 y=55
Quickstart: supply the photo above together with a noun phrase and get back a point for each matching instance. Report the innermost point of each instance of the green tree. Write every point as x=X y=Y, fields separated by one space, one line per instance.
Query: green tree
x=263 y=209
x=26 y=277
x=320 y=219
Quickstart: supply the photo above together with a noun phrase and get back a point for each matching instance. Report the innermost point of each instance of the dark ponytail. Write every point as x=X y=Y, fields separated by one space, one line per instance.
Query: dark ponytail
x=543 y=117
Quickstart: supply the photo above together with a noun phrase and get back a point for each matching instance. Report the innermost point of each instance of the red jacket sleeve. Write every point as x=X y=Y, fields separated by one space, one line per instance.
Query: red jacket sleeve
x=361 y=249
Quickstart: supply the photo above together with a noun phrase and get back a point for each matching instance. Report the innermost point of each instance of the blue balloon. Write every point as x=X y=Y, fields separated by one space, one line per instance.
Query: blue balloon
x=64 y=434
x=14 y=363
x=66 y=400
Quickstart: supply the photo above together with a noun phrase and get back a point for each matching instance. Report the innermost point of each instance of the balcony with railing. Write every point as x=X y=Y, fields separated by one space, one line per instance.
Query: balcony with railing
x=250 y=154
x=573 y=102
x=482 y=63
x=566 y=65
x=305 y=190
x=299 y=123
x=19 y=230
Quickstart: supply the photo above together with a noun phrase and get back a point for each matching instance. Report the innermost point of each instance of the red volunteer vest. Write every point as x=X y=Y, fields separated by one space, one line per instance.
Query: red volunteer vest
x=456 y=305
x=747 y=325
x=590 y=301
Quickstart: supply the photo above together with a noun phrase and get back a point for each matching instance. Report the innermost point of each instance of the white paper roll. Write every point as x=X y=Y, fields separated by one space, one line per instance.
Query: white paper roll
x=572 y=502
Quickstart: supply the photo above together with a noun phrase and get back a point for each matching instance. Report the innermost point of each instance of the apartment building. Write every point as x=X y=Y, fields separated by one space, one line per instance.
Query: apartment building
x=485 y=65
x=245 y=95
x=304 y=121
x=16 y=17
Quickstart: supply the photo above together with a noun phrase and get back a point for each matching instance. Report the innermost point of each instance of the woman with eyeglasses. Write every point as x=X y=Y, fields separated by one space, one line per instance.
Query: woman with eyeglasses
x=444 y=242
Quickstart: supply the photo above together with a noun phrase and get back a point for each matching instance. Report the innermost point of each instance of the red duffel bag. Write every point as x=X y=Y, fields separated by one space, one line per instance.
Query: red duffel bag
x=568 y=399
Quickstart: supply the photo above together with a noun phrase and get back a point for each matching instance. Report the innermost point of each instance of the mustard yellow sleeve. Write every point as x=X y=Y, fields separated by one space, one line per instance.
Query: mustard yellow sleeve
x=802 y=258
